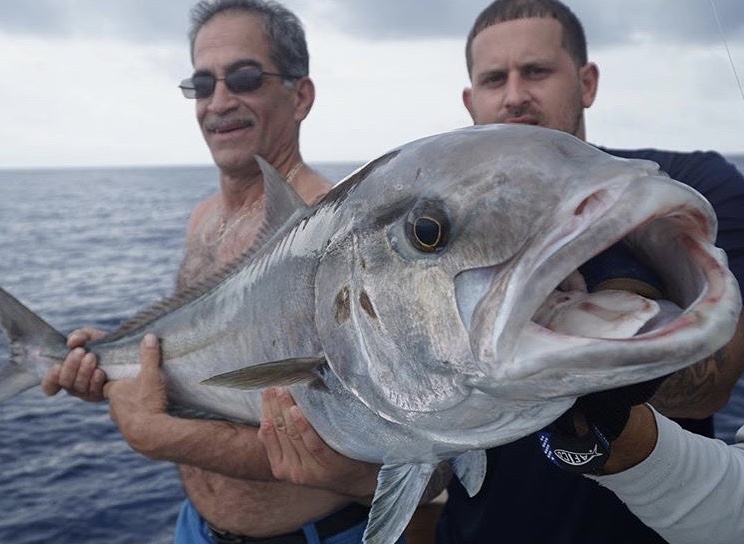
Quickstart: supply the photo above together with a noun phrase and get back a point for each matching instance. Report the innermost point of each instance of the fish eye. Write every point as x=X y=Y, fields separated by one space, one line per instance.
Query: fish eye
x=428 y=232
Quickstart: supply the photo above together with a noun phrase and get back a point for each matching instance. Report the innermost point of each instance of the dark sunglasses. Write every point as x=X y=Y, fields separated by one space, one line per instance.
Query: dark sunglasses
x=244 y=80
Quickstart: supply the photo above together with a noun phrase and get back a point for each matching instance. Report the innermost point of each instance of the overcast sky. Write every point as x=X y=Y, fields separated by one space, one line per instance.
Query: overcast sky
x=93 y=82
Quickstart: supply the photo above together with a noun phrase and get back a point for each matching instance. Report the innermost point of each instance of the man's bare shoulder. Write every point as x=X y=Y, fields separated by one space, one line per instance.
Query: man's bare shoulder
x=202 y=210
x=313 y=187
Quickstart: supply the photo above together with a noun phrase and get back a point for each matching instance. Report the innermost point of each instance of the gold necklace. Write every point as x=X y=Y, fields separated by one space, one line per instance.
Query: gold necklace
x=294 y=171
x=224 y=227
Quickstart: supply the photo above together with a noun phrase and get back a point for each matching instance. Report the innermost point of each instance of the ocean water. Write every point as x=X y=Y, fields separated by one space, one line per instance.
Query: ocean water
x=91 y=247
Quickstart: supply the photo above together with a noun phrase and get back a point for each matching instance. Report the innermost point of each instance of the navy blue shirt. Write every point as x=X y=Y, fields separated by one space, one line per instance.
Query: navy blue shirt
x=525 y=498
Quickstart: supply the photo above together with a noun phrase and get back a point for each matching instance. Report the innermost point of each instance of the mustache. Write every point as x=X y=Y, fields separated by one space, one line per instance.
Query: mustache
x=226 y=124
x=521 y=112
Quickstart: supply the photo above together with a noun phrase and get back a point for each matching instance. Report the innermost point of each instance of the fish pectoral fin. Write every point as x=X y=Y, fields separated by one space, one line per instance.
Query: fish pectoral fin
x=399 y=490
x=470 y=469
x=273 y=374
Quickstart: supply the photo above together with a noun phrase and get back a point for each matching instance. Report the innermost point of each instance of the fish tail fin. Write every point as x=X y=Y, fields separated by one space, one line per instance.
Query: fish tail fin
x=34 y=346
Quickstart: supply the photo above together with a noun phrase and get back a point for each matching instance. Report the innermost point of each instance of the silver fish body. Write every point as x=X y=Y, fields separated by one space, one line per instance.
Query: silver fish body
x=401 y=308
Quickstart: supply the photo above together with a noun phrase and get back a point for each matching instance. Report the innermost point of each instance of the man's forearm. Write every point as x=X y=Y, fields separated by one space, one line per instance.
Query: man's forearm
x=702 y=389
x=694 y=392
x=226 y=448
x=689 y=488
x=635 y=443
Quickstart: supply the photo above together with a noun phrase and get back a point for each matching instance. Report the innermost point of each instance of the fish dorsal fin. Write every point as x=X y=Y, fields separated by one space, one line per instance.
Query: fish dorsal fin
x=276 y=373
x=470 y=469
x=282 y=203
x=156 y=310
x=283 y=206
x=399 y=490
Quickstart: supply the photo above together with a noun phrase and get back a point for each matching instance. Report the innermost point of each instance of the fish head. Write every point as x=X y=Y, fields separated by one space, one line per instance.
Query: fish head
x=448 y=247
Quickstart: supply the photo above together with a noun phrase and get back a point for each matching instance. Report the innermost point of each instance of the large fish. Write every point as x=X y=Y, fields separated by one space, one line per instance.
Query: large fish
x=404 y=306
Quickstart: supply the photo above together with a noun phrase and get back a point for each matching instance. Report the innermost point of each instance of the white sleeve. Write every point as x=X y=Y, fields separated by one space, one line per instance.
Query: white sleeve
x=690 y=489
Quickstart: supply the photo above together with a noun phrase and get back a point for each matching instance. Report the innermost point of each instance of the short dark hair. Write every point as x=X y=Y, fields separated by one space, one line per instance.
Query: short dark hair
x=500 y=11
x=287 y=44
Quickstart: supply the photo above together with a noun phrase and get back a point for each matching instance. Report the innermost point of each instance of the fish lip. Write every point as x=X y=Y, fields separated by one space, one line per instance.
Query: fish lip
x=498 y=321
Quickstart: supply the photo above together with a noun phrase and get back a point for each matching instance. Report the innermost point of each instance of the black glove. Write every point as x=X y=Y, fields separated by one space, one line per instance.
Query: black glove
x=606 y=414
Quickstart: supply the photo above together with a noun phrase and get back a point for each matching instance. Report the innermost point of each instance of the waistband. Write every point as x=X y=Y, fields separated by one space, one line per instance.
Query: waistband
x=330 y=525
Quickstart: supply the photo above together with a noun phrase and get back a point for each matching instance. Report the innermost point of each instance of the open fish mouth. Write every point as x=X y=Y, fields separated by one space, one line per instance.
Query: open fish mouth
x=521 y=318
x=650 y=278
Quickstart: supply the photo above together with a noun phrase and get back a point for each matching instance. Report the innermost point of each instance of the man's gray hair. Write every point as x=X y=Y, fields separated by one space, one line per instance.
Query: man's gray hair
x=284 y=31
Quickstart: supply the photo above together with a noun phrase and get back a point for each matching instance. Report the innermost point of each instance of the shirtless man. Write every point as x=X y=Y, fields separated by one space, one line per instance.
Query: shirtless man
x=252 y=92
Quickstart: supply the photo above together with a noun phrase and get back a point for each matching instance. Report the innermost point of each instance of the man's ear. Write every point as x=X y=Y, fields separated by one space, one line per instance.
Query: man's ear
x=304 y=98
x=589 y=75
x=467 y=100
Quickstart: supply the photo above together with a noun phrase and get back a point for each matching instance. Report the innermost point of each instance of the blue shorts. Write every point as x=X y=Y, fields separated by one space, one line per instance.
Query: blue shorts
x=192 y=529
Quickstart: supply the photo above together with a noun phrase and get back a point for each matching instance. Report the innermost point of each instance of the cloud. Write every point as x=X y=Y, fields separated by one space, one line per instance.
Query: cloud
x=136 y=21
x=665 y=21
x=397 y=19
x=606 y=23
x=94 y=82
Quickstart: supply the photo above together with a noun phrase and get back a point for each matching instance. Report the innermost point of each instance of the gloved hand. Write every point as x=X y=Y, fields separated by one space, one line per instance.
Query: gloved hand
x=603 y=416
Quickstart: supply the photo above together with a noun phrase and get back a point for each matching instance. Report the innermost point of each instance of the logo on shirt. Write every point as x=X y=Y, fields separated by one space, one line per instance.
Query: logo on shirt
x=577 y=459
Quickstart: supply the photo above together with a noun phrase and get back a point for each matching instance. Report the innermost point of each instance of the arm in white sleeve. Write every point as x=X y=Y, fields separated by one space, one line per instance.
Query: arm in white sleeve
x=690 y=489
